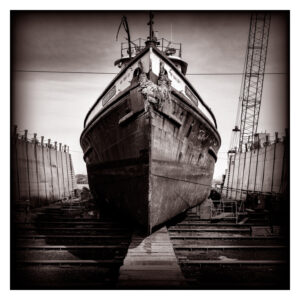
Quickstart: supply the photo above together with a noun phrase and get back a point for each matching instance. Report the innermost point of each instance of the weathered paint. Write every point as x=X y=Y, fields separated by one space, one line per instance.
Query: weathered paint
x=37 y=172
x=263 y=171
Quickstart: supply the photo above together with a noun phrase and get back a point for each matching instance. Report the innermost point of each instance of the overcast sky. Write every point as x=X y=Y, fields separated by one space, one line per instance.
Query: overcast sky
x=55 y=105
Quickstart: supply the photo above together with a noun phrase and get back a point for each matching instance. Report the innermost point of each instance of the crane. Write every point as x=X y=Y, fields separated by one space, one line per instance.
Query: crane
x=252 y=82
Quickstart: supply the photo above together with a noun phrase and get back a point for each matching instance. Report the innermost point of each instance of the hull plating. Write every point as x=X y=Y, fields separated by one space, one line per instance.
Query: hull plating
x=150 y=162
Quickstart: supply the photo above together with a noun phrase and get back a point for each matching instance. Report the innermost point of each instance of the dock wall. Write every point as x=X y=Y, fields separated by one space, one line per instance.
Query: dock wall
x=41 y=172
x=263 y=169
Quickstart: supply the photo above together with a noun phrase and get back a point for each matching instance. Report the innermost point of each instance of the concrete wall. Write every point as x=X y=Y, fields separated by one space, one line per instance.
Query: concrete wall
x=41 y=172
x=262 y=170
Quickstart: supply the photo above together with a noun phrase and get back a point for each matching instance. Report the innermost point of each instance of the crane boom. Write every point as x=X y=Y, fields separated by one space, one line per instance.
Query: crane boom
x=252 y=84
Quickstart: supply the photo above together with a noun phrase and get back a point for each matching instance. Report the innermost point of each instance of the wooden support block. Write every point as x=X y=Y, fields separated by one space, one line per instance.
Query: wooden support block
x=151 y=262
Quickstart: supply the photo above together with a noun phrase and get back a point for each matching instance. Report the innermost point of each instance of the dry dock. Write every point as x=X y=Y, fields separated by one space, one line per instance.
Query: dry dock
x=72 y=246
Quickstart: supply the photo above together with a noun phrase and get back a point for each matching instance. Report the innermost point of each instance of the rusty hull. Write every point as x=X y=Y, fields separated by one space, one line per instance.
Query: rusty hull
x=150 y=162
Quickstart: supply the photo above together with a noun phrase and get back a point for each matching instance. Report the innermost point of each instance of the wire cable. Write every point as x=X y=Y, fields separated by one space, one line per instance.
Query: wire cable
x=115 y=73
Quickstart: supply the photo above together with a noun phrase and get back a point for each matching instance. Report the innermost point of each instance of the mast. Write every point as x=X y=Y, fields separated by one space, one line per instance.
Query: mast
x=126 y=27
x=151 y=37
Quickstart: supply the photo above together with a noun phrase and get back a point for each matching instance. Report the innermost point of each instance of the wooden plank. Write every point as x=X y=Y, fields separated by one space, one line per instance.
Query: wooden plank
x=227 y=237
x=228 y=247
x=210 y=229
x=151 y=262
x=68 y=261
x=195 y=223
x=74 y=229
x=72 y=221
x=62 y=247
x=41 y=236
x=233 y=262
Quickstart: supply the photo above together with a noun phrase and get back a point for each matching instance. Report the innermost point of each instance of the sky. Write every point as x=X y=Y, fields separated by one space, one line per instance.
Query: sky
x=55 y=104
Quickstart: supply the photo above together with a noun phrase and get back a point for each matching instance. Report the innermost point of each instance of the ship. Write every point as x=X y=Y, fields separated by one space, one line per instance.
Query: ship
x=150 y=142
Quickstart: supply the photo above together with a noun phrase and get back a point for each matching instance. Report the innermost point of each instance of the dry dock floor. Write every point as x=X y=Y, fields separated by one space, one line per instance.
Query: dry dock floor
x=71 y=246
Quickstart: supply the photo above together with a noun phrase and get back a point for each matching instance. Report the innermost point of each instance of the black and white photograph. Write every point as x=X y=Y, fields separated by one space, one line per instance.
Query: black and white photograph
x=150 y=149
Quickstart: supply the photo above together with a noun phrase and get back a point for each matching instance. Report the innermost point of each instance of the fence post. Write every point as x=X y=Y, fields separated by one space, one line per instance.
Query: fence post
x=58 y=180
x=263 y=176
x=27 y=163
x=228 y=174
x=44 y=167
x=231 y=188
x=49 y=151
x=285 y=151
x=62 y=168
x=256 y=165
x=238 y=173
x=36 y=167
x=243 y=170
x=65 y=150
x=14 y=148
x=274 y=160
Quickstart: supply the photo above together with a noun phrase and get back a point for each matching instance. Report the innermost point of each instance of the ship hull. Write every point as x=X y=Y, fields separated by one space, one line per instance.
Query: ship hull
x=150 y=162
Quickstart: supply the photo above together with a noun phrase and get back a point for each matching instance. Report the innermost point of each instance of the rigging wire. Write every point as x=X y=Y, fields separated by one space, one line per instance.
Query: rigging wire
x=114 y=73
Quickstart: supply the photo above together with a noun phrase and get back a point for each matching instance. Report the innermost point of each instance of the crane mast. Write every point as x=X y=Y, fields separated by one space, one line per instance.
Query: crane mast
x=252 y=83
